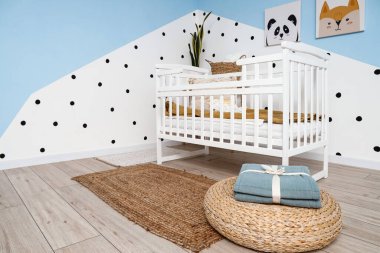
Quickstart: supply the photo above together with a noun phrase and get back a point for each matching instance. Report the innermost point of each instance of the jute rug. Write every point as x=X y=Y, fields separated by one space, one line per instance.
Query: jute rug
x=164 y=201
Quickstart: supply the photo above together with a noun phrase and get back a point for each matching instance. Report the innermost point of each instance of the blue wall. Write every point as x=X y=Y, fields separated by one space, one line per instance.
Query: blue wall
x=42 y=40
x=363 y=46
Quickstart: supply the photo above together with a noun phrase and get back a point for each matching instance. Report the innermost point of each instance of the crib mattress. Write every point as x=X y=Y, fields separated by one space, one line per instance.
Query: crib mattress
x=250 y=126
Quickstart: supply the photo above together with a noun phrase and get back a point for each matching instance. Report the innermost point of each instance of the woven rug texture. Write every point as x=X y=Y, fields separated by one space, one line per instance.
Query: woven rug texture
x=164 y=201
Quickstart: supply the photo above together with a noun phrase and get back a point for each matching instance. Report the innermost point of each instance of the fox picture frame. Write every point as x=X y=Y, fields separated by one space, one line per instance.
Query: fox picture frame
x=337 y=17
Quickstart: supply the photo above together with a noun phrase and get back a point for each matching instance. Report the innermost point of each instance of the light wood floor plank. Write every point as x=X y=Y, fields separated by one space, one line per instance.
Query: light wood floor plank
x=361 y=213
x=53 y=176
x=348 y=244
x=19 y=233
x=72 y=168
x=122 y=233
x=57 y=220
x=8 y=195
x=95 y=165
x=94 y=245
x=361 y=230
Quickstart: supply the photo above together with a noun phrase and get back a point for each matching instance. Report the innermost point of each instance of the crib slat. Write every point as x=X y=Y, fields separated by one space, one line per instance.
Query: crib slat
x=256 y=124
x=221 y=125
x=193 y=116
x=311 y=103
x=177 y=115
x=270 y=120
x=170 y=115
x=185 y=99
x=163 y=110
x=318 y=84
x=291 y=98
x=299 y=99
x=270 y=70
x=202 y=117
x=211 y=118
x=243 y=120
x=232 y=119
x=323 y=104
x=305 y=109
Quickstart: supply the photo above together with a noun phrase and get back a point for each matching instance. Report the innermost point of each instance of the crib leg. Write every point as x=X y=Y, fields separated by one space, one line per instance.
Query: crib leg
x=285 y=160
x=325 y=161
x=159 y=151
x=207 y=150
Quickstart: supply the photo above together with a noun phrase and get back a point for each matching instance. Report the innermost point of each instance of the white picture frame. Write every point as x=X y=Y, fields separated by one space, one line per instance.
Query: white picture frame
x=338 y=17
x=283 y=23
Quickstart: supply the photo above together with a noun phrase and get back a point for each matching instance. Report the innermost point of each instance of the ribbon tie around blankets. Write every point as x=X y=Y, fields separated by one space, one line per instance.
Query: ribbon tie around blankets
x=287 y=185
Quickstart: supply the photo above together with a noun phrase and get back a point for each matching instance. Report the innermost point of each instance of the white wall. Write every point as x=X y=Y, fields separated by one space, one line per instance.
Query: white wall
x=351 y=142
x=23 y=144
x=354 y=141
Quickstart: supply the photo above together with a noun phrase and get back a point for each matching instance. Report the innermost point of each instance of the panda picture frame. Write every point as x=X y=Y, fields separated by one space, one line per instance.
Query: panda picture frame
x=283 y=23
x=338 y=17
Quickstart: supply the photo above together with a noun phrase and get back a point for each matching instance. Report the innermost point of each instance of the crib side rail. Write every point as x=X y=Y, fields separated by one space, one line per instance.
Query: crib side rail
x=305 y=97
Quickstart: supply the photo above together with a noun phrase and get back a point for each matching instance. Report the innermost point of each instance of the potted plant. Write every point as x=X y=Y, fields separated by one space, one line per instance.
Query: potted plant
x=196 y=43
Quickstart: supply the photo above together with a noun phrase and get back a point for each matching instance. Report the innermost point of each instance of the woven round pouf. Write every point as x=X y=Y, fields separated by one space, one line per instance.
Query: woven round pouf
x=271 y=228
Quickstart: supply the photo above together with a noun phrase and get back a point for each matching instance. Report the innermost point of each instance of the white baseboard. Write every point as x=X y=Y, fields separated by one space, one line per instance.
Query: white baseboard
x=360 y=163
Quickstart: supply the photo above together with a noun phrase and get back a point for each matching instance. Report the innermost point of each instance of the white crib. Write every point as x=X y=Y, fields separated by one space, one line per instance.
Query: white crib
x=293 y=81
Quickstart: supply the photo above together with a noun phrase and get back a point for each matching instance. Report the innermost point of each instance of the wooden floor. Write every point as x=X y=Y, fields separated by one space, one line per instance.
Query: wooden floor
x=43 y=210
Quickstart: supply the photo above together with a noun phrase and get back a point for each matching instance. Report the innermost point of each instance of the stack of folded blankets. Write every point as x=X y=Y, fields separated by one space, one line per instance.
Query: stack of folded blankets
x=272 y=184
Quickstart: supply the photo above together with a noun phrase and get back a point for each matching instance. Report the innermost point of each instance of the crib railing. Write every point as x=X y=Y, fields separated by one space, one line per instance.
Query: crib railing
x=297 y=87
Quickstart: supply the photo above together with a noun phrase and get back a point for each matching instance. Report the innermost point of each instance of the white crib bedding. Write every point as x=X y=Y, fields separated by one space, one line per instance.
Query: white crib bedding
x=250 y=125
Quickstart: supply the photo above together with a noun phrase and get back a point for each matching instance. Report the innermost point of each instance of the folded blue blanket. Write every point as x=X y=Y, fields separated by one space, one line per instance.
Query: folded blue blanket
x=288 y=202
x=295 y=187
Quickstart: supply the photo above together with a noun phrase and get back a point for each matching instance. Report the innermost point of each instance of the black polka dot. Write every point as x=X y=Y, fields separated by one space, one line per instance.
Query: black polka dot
x=125 y=65
x=84 y=125
x=145 y=138
x=273 y=65
x=376 y=148
x=218 y=18
x=203 y=50
x=73 y=77
x=163 y=34
x=253 y=56
x=266 y=108
x=222 y=34
x=112 y=109
x=252 y=37
x=113 y=141
x=236 y=23
x=107 y=61
x=377 y=72
x=338 y=154
x=154 y=106
x=194 y=14
x=330 y=119
x=37 y=102
x=359 y=118
x=328 y=53
x=338 y=95
x=23 y=123
x=42 y=150
x=162 y=139
x=151 y=75
x=208 y=31
x=161 y=58
x=127 y=90
x=213 y=55
x=100 y=84
x=204 y=13
x=199 y=26
x=236 y=39
x=184 y=30
x=2 y=155
x=182 y=56
x=134 y=123
x=55 y=123
x=72 y=103
x=136 y=47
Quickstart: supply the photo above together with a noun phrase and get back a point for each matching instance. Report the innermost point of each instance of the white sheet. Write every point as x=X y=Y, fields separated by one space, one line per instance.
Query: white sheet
x=250 y=124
